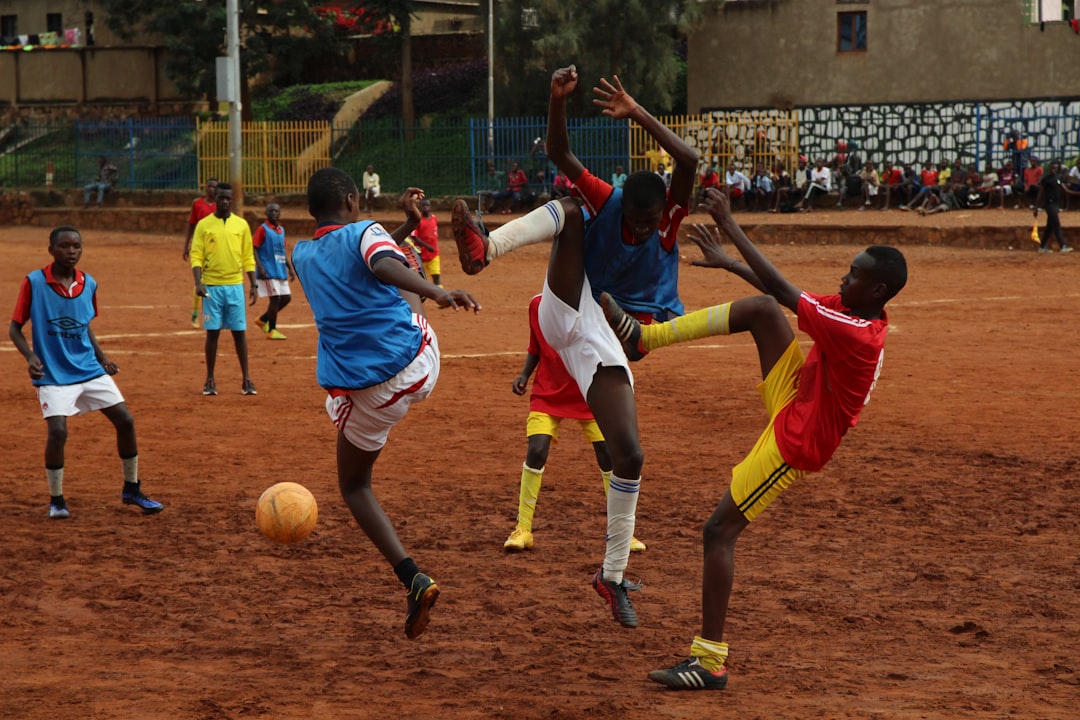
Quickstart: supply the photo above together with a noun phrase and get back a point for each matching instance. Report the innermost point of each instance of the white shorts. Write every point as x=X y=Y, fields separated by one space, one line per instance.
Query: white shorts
x=272 y=287
x=366 y=416
x=871 y=190
x=582 y=337
x=78 y=399
x=1006 y=188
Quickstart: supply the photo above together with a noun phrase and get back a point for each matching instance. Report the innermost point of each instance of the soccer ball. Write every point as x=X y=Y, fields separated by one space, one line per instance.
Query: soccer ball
x=286 y=512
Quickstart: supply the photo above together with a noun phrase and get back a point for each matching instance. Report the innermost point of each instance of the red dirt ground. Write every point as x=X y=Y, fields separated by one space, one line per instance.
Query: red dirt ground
x=930 y=571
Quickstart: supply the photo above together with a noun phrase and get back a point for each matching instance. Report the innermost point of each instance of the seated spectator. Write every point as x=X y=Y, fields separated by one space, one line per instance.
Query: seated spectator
x=989 y=186
x=515 y=185
x=788 y=198
x=783 y=182
x=1008 y=183
x=1033 y=175
x=869 y=182
x=735 y=183
x=820 y=184
x=761 y=189
x=494 y=184
x=708 y=179
x=970 y=193
x=560 y=187
x=947 y=200
x=928 y=180
x=618 y=177
x=891 y=181
x=1071 y=181
x=372 y=188
x=107 y=175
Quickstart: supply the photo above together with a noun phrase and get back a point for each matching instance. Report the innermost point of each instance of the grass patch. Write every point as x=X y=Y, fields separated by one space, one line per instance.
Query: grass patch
x=304 y=102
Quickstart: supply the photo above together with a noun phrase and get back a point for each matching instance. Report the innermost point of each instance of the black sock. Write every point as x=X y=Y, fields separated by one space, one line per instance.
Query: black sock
x=131 y=487
x=57 y=501
x=406 y=570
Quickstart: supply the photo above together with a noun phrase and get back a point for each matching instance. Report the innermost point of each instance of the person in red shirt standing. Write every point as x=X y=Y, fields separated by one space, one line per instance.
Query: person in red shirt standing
x=200 y=208
x=426 y=237
x=1033 y=175
x=812 y=401
x=555 y=397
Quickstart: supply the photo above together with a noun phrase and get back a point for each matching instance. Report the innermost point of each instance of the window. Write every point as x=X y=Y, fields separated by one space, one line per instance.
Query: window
x=54 y=22
x=851 y=32
x=9 y=25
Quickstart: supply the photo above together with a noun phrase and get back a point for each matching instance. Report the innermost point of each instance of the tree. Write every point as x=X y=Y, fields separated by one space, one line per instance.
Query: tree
x=275 y=35
x=631 y=38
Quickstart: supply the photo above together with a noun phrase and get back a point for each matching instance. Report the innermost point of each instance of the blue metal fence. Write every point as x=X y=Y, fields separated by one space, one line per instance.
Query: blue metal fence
x=150 y=153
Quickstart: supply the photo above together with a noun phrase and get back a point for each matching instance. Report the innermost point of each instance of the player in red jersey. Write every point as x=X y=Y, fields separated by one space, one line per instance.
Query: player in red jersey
x=555 y=397
x=200 y=208
x=812 y=401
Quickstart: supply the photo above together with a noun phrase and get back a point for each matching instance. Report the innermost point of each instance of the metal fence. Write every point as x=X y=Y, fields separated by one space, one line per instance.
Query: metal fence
x=450 y=157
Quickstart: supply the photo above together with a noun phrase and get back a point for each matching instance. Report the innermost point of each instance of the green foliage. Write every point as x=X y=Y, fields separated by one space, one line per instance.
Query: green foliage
x=281 y=35
x=633 y=39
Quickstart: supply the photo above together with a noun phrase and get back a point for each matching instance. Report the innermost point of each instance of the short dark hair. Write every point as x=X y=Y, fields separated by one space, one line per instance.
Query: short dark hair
x=212 y=180
x=327 y=190
x=644 y=190
x=224 y=186
x=890 y=268
x=56 y=232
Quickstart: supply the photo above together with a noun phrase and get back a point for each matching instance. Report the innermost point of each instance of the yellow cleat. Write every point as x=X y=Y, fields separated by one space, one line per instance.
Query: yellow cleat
x=636 y=545
x=275 y=334
x=520 y=539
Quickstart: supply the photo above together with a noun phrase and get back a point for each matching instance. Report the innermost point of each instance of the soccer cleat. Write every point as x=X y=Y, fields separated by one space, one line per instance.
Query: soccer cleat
x=422 y=596
x=636 y=545
x=616 y=596
x=1045 y=250
x=210 y=388
x=520 y=539
x=265 y=327
x=58 y=509
x=690 y=675
x=195 y=320
x=627 y=328
x=248 y=388
x=471 y=238
x=1066 y=248
x=275 y=334
x=149 y=507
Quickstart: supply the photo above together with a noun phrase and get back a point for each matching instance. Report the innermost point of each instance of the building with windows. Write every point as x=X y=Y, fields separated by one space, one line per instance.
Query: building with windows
x=791 y=53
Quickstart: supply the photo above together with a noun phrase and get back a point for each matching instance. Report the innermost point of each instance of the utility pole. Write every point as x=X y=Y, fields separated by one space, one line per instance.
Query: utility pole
x=232 y=45
x=491 y=80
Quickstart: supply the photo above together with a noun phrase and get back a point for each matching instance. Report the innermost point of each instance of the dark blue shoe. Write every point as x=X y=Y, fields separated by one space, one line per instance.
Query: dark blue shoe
x=149 y=506
x=422 y=596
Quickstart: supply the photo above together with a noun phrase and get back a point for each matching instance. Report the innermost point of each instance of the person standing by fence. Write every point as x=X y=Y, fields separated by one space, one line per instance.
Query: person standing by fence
x=200 y=208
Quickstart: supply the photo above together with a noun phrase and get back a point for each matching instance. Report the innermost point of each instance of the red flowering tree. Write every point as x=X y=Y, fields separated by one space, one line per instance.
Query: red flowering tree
x=356 y=19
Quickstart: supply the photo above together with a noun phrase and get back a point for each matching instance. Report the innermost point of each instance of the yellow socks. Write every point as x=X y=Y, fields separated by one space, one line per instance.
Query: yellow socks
x=530 y=490
x=698 y=324
x=709 y=653
x=606 y=476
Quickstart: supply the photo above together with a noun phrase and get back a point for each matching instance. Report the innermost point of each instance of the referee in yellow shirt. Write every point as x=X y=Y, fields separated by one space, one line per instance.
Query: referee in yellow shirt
x=221 y=254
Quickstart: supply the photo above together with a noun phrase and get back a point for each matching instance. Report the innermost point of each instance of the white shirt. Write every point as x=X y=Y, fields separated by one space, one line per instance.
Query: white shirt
x=821 y=176
x=736 y=179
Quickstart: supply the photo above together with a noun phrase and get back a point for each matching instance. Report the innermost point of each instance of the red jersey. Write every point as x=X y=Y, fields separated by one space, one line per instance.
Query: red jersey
x=595 y=193
x=834 y=383
x=1032 y=176
x=554 y=392
x=929 y=178
x=428 y=231
x=893 y=177
x=200 y=209
x=1006 y=177
x=517 y=181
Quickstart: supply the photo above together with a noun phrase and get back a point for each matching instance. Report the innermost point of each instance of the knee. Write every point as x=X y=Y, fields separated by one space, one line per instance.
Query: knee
x=57 y=435
x=631 y=462
x=124 y=422
x=718 y=533
x=765 y=306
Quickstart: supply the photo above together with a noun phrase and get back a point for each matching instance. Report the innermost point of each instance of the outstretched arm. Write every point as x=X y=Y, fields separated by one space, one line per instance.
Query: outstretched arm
x=392 y=271
x=713 y=256
x=772 y=281
x=563 y=82
x=618 y=103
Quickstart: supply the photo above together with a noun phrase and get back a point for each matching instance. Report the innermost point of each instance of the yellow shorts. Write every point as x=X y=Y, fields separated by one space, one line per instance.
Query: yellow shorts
x=543 y=424
x=433 y=267
x=763 y=474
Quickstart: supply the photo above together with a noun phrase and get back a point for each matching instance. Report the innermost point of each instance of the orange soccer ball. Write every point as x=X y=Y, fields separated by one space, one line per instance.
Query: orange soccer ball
x=286 y=512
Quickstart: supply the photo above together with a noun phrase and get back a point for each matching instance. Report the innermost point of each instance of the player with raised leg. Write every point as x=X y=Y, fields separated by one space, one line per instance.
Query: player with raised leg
x=377 y=354
x=812 y=401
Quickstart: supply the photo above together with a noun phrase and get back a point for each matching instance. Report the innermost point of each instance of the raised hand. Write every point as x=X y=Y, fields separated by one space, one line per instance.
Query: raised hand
x=613 y=99
x=707 y=238
x=563 y=81
x=410 y=202
x=716 y=203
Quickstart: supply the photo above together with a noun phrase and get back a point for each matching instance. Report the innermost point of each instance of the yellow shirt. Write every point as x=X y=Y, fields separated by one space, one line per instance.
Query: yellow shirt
x=222 y=248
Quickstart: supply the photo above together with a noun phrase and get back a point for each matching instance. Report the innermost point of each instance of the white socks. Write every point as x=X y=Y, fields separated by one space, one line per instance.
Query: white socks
x=540 y=225
x=56 y=481
x=621 y=515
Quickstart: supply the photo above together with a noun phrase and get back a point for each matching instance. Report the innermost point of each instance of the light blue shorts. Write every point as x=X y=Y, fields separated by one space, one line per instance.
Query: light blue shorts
x=223 y=308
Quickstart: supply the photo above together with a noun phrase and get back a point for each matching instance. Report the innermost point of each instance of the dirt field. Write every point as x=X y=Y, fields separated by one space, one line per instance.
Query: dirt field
x=931 y=571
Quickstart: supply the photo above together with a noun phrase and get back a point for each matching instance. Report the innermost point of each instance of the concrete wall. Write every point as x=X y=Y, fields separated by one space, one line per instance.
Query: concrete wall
x=783 y=53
